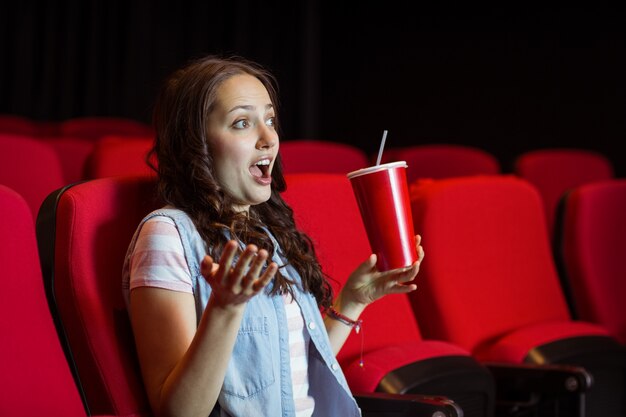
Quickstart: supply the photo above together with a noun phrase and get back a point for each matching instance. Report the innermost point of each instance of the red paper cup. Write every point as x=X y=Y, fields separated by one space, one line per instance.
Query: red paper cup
x=382 y=195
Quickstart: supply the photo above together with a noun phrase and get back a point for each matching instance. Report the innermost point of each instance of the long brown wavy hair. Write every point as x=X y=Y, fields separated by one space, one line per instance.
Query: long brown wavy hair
x=187 y=179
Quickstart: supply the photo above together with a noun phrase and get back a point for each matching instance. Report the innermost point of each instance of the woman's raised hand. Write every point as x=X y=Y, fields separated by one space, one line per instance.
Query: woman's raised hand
x=366 y=284
x=234 y=285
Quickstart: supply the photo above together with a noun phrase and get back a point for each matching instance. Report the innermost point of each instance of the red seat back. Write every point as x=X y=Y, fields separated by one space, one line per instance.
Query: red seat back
x=489 y=268
x=30 y=167
x=443 y=161
x=88 y=231
x=321 y=156
x=325 y=208
x=18 y=125
x=97 y=127
x=119 y=156
x=554 y=171
x=35 y=378
x=73 y=154
x=593 y=245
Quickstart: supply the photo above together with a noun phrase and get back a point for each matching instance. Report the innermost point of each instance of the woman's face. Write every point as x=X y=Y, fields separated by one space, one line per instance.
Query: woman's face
x=243 y=139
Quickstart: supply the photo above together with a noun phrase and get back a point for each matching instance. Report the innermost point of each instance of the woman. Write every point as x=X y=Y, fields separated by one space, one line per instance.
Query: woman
x=224 y=293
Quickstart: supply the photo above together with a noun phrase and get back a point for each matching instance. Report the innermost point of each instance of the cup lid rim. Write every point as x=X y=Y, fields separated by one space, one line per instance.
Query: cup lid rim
x=376 y=168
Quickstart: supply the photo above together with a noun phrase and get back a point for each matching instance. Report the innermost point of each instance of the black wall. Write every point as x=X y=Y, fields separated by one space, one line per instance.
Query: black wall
x=504 y=79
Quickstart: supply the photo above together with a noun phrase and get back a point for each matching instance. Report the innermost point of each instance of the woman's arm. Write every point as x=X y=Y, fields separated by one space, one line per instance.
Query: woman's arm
x=183 y=365
x=364 y=286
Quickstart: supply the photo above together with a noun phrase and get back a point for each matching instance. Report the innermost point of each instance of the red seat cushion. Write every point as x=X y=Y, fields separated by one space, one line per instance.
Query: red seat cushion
x=515 y=345
x=379 y=362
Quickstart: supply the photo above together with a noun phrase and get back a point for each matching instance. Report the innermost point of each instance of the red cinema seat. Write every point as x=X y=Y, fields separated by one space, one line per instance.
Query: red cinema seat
x=30 y=167
x=396 y=357
x=443 y=161
x=308 y=155
x=490 y=284
x=73 y=153
x=18 y=125
x=83 y=232
x=36 y=379
x=120 y=156
x=554 y=171
x=97 y=127
x=591 y=248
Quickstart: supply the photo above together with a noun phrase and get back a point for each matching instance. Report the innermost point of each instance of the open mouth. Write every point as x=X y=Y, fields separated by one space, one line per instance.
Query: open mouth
x=261 y=169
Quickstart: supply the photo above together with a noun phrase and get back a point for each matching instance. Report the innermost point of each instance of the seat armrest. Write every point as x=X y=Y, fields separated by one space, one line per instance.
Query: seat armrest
x=406 y=405
x=554 y=379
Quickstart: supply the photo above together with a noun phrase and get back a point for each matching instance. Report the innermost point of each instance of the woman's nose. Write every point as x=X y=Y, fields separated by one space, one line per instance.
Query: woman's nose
x=268 y=138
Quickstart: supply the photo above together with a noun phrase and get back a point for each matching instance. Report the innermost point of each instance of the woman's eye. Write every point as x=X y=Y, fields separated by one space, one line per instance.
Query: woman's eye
x=241 y=124
x=271 y=121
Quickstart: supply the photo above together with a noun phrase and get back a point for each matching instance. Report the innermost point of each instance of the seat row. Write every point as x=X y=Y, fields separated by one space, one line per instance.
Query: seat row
x=68 y=347
x=553 y=171
x=86 y=128
x=487 y=332
x=31 y=167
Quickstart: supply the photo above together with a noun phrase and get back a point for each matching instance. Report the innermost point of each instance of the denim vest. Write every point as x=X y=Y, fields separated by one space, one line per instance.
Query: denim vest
x=258 y=378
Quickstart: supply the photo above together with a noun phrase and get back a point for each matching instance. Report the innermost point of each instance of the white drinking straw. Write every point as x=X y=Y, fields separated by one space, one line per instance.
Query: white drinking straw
x=382 y=145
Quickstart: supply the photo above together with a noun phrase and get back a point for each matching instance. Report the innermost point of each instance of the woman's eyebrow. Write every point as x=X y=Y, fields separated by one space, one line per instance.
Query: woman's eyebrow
x=250 y=107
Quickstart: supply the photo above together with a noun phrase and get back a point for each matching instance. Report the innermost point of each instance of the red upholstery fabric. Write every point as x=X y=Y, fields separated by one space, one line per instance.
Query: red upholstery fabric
x=119 y=156
x=554 y=171
x=321 y=156
x=515 y=345
x=97 y=127
x=94 y=224
x=443 y=161
x=489 y=271
x=593 y=249
x=326 y=210
x=73 y=154
x=18 y=125
x=35 y=378
x=30 y=167
x=380 y=361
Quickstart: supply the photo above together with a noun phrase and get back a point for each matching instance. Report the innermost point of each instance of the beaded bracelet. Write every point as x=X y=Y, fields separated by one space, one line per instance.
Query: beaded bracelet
x=357 y=325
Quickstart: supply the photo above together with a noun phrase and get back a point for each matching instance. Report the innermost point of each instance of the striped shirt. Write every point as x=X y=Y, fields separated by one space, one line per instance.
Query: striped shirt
x=299 y=340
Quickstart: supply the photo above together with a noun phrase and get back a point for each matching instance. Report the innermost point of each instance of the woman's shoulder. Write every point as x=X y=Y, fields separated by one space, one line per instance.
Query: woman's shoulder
x=166 y=213
x=170 y=216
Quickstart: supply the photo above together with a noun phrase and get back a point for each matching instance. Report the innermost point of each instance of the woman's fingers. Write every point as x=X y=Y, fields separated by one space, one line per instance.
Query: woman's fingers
x=243 y=277
x=419 y=247
x=265 y=279
x=239 y=271
x=409 y=273
x=228 y=255
x=208 y=268
x=398 y=280
x=402 y=288
x=257 y=263
x=366 y=266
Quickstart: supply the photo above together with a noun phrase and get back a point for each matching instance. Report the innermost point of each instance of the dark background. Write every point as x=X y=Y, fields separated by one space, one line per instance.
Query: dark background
x=505 y=79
